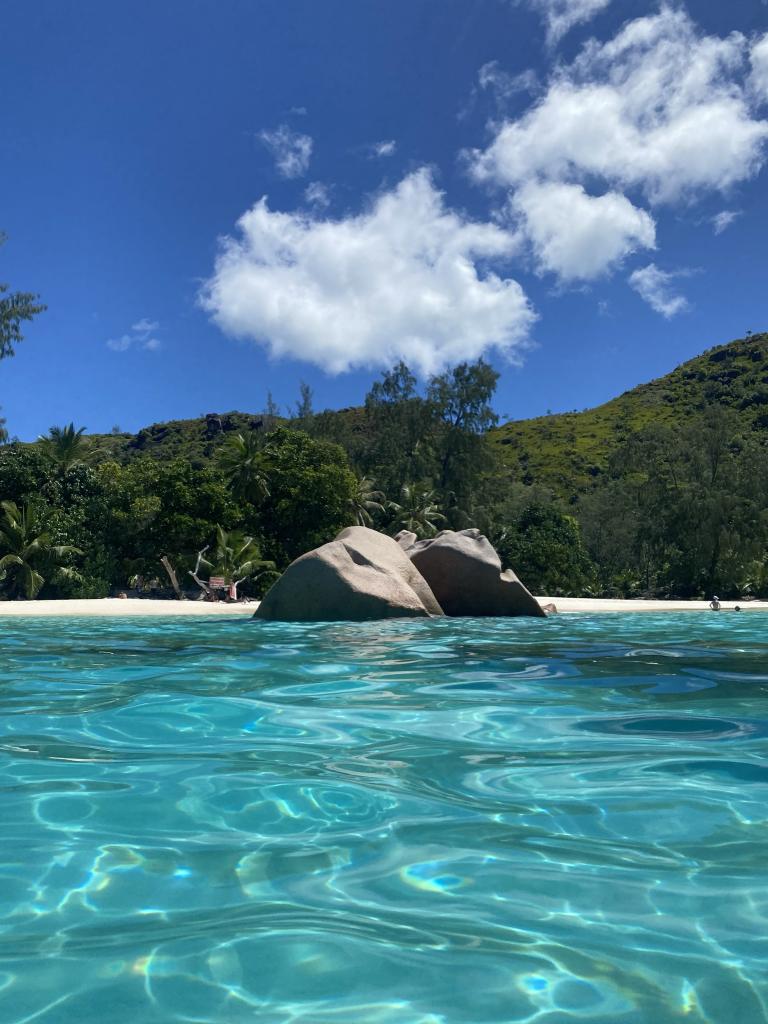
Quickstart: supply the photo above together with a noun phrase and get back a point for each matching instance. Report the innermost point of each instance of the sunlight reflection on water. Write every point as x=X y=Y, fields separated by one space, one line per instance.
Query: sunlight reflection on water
x=405 y=822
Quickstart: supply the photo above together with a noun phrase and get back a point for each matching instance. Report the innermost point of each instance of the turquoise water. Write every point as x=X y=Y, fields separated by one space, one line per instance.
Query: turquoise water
x=402 y=823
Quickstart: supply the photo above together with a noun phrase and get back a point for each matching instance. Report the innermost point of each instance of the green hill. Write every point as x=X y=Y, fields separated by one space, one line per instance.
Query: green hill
x=193 y=440
x=568 y=452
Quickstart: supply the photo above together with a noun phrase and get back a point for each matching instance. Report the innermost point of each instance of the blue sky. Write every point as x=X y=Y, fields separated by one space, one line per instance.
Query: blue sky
x=574 y=188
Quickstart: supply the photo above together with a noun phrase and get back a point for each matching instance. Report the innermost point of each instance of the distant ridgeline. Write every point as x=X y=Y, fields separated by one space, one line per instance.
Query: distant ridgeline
x=194 y=440
x=567 y=452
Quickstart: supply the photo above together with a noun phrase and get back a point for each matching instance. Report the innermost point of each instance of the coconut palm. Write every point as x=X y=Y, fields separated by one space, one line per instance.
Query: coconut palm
x=416 y=511
x=235 y=557
x=64 y=446
x=366 y=502
x=240 y=462
x=26 y=553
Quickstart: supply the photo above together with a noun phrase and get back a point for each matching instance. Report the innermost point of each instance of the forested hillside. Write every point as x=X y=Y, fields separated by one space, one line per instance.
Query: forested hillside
x=569 y=451
x=661 y=491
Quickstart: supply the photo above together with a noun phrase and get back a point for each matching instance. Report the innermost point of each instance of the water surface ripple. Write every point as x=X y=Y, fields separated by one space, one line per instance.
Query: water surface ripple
x=447 y=822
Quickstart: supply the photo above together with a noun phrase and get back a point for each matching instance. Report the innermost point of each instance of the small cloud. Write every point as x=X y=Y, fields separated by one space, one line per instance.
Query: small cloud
x=145 y=326
x=317 y=195
x=141 y=336
x=386 y=147
x=502 y=84
x=120 y=344
x=724 y=219
x=291 y=150
x=298 y=111
x=656 y=288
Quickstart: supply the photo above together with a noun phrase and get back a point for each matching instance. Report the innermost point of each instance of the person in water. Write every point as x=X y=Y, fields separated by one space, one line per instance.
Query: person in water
x=714 y=604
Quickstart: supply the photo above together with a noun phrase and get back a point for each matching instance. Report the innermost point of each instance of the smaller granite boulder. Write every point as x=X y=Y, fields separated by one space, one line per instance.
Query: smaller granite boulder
x=360 y=575
x=464 y=573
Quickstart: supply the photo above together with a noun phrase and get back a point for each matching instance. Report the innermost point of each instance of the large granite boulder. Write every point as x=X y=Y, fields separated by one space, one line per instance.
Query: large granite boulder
x=464 y=573
x=360 y=575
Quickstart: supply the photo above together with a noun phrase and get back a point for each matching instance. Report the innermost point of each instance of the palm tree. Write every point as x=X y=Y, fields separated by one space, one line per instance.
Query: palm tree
x=26 y=553
x=416 y=511
x=65 y=446
x=240 y=462
x=235 y=557
x=366 y=502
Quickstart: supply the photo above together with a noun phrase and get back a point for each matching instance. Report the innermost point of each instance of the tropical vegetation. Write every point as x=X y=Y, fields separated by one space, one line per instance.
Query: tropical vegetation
x=661 y=492
x=29 y=555
x=235 y=558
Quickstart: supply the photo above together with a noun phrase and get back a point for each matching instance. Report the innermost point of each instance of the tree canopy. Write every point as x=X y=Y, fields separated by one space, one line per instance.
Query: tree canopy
x=678 y=509
x=16 y=308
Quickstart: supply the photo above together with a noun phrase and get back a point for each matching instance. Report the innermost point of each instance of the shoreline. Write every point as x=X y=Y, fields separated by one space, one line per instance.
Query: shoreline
x=594 y=605
x=114 y=607
x=149 y=608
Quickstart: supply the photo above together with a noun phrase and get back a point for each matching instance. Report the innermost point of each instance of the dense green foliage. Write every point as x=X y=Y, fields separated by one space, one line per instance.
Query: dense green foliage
x=571 y=451
x=311 y=488
x=545 y=545
x=125 y=518
x=682 y=510
x=29 y=555
x=661 y=492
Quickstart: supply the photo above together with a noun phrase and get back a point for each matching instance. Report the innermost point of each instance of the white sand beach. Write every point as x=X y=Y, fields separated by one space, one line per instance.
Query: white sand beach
x=141 y=607
x=128 y=607
x=598 y=604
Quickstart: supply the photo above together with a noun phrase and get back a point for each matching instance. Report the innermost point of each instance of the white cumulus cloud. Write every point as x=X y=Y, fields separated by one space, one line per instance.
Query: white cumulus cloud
x=560 y=16
x=660 y=107
x=406 y=279
x=290 y=150
x=578 y=236
x=661 y=112
x=657 y=288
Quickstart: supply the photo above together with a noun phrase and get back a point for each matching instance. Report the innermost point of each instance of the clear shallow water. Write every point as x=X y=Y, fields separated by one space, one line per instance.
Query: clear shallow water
x=403 y=823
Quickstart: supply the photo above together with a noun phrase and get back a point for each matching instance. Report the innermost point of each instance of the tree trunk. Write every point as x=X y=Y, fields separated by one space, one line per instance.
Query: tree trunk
x=172 y=575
